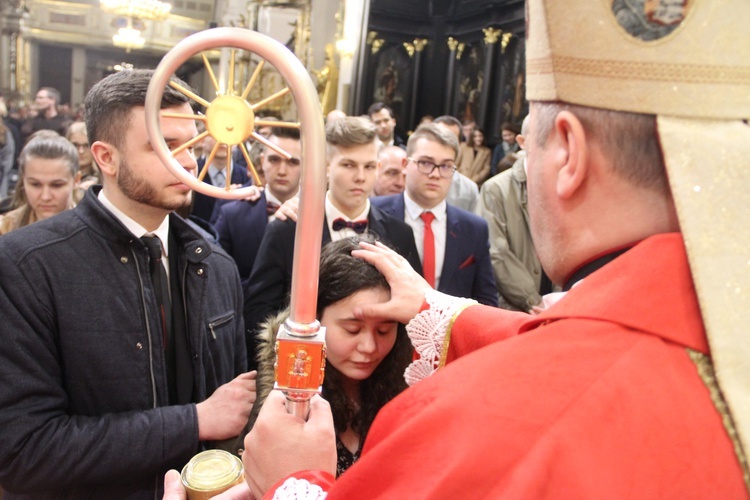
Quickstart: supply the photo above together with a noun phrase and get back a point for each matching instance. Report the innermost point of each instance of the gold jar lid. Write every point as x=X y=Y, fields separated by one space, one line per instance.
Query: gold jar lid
x=212 y=470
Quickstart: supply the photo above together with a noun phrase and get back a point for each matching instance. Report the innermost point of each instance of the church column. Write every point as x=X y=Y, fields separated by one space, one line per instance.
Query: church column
x=450 y=75
x=13 y=48
x=491 y=36
x=415 y=51
x=77 y=77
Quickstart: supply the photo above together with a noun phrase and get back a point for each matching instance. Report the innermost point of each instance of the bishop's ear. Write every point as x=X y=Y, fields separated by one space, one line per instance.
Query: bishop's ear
x=575 y=167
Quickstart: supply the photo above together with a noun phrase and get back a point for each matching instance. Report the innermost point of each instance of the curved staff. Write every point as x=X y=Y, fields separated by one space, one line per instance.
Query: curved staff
x=301 y=334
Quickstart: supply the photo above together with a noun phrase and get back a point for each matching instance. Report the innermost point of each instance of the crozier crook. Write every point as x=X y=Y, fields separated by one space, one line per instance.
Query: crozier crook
x=230 y=119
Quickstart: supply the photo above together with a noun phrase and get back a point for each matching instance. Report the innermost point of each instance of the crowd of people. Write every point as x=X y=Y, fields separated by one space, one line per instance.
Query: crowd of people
x=514 y=321
x=88 y=179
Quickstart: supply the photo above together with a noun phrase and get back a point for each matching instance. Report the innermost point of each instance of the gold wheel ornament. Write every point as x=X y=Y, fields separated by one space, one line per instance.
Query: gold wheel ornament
x=230 y=119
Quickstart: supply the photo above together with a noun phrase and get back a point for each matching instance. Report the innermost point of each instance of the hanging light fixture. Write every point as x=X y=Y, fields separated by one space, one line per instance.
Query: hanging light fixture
x=152 y=10
x=129 y=37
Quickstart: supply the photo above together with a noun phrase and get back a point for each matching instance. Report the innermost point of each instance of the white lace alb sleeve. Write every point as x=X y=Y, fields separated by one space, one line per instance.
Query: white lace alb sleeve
x=429 y=332
x=299 y=489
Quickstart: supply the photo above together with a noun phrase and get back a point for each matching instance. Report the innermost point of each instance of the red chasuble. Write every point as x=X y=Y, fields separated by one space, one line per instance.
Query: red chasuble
x=595 y=398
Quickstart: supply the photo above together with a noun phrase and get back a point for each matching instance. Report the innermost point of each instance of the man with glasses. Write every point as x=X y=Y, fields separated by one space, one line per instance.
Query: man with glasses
x=453 y=243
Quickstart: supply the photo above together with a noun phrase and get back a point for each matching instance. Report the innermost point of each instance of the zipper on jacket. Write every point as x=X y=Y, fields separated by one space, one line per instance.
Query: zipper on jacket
x=219 y=322
x=148 y=330
x=183 y=289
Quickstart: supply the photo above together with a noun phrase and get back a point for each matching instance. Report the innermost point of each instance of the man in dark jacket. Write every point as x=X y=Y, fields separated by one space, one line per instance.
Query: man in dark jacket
x=99 y=353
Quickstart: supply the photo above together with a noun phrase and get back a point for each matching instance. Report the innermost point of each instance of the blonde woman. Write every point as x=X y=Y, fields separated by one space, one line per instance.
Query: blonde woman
x=48 y=174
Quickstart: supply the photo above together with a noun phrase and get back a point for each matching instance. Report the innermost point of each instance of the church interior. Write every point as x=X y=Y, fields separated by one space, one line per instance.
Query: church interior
x=422 y=58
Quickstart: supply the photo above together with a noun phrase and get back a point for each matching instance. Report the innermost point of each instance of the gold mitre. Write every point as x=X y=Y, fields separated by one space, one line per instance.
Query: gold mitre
x=688 y=63
x=665 y=57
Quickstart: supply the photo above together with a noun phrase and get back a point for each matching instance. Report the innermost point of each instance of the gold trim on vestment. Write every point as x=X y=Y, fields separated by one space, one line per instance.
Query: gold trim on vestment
x=447 y=342
x=708 y=376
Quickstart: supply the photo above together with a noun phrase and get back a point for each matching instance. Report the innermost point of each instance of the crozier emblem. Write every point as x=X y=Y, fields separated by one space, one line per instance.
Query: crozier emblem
x=650 y=19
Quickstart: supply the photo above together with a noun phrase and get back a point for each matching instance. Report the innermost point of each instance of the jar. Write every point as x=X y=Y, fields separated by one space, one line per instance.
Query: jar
x=211 y=472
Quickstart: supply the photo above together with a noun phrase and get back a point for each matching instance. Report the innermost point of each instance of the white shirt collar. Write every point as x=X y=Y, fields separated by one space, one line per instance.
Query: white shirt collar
x=271 y=197
x=333 y=213
x=162 y=232
x=212 y=171
x=414 y=210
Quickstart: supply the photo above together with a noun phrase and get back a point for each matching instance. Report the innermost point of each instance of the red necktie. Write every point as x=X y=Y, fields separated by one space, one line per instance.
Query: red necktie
x=271 y=208
x=428 y=262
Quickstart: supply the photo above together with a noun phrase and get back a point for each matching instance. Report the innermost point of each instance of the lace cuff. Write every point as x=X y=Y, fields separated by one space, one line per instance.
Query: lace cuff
x=299 y=489
x=429 y=332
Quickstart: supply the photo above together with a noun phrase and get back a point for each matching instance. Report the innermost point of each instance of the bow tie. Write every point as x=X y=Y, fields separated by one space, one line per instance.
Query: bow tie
x=359 y=226
x=271 y=208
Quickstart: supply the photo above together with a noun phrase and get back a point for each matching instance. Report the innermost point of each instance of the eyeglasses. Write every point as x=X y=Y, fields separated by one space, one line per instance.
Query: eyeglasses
x=427 y=167
x=80 y=145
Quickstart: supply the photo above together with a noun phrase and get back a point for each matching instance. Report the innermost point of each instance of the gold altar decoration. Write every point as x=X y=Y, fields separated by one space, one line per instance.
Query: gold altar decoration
x=491 y=35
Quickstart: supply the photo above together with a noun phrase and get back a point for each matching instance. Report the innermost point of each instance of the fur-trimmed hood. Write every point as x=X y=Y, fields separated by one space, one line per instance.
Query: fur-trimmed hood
x=266 y=357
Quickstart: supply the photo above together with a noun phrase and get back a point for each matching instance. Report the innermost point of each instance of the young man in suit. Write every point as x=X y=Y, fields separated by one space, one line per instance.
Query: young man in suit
x=241 y=223
x=453 y=244
x=352 y=167
x=382 y=116
x=204 y=206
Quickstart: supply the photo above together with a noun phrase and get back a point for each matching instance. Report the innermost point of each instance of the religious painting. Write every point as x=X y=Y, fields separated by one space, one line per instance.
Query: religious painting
x=513 y=85
x=393 y=79
x=469 y=82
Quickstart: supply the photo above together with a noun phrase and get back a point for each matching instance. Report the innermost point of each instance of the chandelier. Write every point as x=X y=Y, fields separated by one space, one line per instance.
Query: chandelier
x=129 y=37
x=153 y=10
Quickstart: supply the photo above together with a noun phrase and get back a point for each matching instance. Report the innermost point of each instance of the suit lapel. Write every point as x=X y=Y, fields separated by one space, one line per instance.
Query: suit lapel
x=452 y=246
x=326 y=233
x=400 y=207
x=375 y=223
x=521 y=192
x=259 y=211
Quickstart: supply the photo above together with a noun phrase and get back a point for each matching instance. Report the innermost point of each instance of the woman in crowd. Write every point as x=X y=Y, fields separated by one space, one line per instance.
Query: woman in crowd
x=365 y=359
x=89 y=170
x=48 y=174
x=475 y=157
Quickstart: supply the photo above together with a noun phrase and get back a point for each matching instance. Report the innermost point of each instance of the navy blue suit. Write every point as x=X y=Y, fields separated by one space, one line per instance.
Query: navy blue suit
x=241 y=225
x=267 y=290
x=467 y=269
x=206 y=207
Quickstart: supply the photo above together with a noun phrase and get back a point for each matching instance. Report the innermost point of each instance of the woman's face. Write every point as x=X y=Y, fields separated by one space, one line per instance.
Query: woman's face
x=478 y=138
x=81 y=143
x=49 y=186
x=356 y=347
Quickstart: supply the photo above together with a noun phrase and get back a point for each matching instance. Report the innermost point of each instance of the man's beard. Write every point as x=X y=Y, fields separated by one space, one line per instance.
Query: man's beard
x=137 y=189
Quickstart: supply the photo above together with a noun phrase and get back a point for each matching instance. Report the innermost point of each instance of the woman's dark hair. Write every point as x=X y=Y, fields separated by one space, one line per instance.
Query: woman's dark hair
x=342 y=275
x=470 y=140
